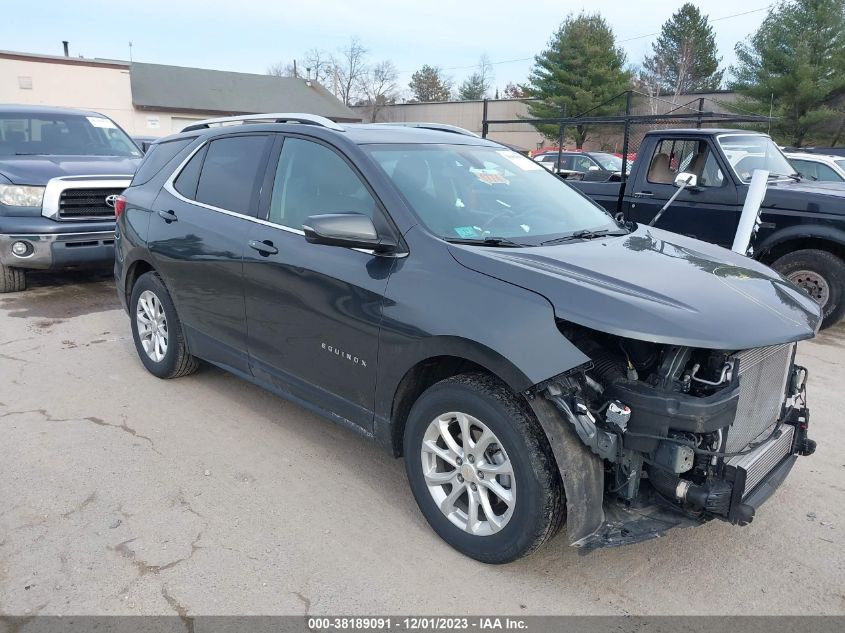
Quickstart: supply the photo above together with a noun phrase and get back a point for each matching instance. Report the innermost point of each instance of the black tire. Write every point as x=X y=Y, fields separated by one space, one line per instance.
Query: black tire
x=12 y=279
x=828 y=267
x=176 y=361
x=539 y=506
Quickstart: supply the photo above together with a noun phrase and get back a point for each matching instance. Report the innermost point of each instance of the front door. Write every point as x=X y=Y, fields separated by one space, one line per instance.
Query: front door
x=709 y=211
x=198 y=233
x=313 y=311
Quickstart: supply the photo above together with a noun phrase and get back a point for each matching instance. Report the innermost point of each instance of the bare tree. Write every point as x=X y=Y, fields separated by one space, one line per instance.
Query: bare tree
x=380 y=87
x=350 y=70
x=282 y=69
x=319 y=65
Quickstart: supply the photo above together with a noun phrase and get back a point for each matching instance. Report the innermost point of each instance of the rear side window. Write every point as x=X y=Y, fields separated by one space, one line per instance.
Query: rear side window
x=186 y=182
x=157 y=157
x=230 y=173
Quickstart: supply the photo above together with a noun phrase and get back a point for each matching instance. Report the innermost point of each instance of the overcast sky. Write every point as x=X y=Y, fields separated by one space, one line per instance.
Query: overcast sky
x=250 y=35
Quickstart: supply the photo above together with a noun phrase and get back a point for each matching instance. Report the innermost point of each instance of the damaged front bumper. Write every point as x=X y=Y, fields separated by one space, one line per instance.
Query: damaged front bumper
x=605 y=509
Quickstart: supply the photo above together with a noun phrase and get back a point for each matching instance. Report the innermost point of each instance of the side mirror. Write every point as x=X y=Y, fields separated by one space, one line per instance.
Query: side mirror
x=350 y=230
x=686 y=179
x=593 y=168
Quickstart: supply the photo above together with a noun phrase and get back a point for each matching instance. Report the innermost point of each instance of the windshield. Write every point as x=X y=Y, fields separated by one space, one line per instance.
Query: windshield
x=607 y=161
x=747 y=152
x=23 y=134
x=475 y=192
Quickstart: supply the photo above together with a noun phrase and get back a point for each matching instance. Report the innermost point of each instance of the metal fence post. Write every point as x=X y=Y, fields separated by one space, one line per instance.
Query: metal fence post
x=484 y=124
x=560 y=139
x=700 y=112
x=623 y=177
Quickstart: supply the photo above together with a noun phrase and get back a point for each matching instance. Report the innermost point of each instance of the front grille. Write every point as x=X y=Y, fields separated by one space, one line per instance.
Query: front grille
x=77 y=204
x=763 y=373
x=759 y=462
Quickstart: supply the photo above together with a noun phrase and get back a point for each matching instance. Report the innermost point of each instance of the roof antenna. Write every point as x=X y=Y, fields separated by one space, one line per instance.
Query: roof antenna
x=130 y=52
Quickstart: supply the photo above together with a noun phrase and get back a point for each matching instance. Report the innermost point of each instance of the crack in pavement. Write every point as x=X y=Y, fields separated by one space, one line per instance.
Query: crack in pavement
x=86 y=502
x=94 y=420
x=180 y=610
x=144 y=568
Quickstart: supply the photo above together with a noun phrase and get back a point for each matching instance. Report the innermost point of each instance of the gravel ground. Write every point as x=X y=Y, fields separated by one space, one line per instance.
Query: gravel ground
x=125 y=494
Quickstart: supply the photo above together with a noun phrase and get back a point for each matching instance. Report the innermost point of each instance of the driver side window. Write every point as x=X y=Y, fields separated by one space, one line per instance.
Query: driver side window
x=311 y=179
x=674 y=156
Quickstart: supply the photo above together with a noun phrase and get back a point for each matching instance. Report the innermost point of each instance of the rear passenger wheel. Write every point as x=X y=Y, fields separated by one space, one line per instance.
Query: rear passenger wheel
x=12 y=279
x=821 y=275
x=481 y=469
x=157 y=331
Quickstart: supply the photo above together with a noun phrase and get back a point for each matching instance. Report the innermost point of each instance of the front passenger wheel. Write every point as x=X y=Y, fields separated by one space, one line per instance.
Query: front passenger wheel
x=12 y=279
x=481 y=469
x=157 y=331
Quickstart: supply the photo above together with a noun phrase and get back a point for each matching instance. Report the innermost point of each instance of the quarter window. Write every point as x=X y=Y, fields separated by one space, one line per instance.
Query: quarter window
x=158 y=156
x=230 y=173
x=310 y=180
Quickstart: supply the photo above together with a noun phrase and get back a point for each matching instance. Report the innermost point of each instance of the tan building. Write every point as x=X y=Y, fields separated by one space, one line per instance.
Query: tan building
x=157 y=100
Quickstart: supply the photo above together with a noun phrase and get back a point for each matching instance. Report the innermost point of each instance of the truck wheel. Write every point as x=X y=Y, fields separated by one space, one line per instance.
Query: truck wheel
x=481 y=469
x=821 y=275
x=12 y=279
x=157 y=331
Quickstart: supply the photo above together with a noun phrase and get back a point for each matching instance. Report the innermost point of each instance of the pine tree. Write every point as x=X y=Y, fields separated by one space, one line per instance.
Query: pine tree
x=794 y=65
x=580 y=69
x=429 y=84
x=684 y=57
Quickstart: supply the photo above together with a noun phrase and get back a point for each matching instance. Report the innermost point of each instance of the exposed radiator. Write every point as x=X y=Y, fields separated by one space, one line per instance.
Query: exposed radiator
x=763 y=373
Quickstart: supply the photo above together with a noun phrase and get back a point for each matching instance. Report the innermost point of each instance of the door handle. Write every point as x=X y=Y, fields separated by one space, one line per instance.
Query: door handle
x=168 y=216
x=265 y=248
x=643 y=194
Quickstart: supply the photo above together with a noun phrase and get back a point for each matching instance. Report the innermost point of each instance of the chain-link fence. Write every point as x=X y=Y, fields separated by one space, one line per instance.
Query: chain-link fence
x=619 y=125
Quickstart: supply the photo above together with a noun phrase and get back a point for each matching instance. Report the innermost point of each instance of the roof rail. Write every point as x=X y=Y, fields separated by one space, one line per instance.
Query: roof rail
x=275 y=117
x=441 y=127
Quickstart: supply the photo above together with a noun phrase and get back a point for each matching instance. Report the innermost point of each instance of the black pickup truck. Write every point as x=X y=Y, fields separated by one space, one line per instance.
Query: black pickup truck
x=61 y=171
x=802 y=231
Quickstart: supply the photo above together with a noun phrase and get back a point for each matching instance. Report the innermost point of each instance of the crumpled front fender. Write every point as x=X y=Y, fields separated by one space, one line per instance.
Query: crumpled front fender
x=581 y=470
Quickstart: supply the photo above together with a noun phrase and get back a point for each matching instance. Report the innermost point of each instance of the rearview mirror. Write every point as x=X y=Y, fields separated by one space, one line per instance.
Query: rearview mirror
x=686 y=179
x=350 y=230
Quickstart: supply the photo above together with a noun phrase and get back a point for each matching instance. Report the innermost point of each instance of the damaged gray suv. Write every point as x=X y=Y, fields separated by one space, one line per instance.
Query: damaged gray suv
x=535 y=362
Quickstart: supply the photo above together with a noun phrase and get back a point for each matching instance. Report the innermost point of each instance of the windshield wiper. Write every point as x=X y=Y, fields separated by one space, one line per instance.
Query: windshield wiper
x=795 y=177
x=485 y=241
x=583 y=235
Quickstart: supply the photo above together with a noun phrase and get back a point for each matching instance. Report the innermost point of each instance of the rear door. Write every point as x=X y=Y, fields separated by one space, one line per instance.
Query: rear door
x=313 y=311
x=198 y=232
x=708 y=212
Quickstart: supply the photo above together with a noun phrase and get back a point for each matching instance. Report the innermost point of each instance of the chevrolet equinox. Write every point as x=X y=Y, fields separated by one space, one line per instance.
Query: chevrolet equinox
x=534 y=361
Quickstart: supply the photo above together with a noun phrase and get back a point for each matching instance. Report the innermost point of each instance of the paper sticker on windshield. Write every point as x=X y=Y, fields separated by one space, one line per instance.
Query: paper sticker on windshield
x=100 y=121
x=525 y=164
x=466 y=231
x=490 y=176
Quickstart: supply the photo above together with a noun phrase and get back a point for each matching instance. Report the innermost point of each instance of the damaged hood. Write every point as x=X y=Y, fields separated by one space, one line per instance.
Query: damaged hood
x=657 y=286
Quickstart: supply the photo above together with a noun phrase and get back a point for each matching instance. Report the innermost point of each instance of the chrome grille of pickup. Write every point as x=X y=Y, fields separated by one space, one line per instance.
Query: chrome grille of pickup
x=86 y=204
x=759 y=462
x=763 y=373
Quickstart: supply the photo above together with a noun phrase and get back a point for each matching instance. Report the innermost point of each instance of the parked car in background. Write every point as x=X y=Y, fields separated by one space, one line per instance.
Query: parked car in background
x=592 y=166
x=533 y=360
x=61 y=171
x=820 y=167
x=802 y=234
x=144 y=142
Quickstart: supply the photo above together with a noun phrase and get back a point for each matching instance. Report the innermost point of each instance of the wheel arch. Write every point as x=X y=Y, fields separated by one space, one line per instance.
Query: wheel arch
x=444 y=357
x=800 y=237
x=137 y=268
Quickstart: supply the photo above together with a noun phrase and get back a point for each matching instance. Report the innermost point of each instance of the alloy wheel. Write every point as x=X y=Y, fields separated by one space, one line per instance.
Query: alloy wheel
x=468 y=473
x=152 y=325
